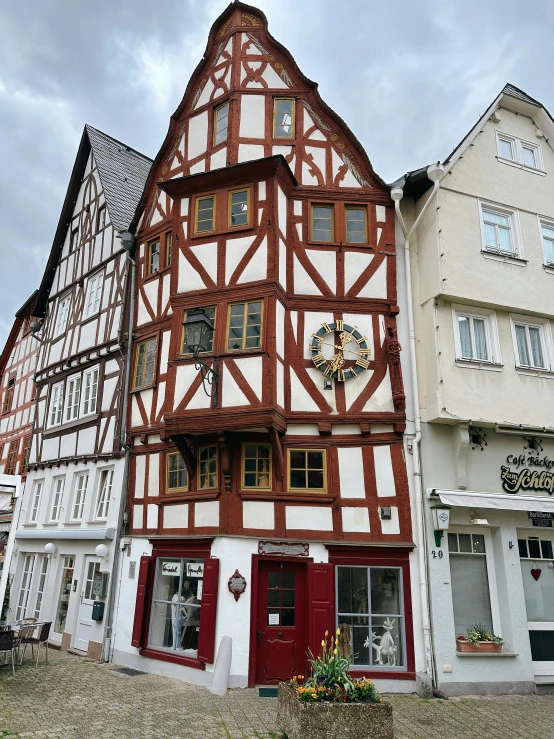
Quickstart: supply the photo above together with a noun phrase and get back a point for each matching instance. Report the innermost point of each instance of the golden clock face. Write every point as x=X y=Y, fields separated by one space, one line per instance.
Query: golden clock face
x=339 y=351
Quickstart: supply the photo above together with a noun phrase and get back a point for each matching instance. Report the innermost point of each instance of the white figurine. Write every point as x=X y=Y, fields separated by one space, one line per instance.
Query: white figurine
x=384 y=646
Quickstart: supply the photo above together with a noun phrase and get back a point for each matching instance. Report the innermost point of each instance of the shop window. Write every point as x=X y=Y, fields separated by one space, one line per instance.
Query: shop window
x=8 y=396
x=177 y=477
x=153 y=263
x=176 y=606
x=256 y=466
x=322 y=225
x=239 y=208
x=65 y=593
x=283 y=118
x=12 y=457
x=356 y=224
x=145 y=356
x=221 y=123
x=470 y=582
x=207 y=467
x=370 y=616
x=245 y=326
x=204 y=220
x=210 y=313
x=307 y=470
x=25 y=587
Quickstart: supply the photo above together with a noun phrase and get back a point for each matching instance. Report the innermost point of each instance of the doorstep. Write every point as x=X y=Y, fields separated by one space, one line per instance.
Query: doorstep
x=544 y=684
x=77 y=652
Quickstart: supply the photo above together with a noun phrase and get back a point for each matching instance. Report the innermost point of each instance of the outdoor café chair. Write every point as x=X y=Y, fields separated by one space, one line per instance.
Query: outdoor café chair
x=8 y=644
x=42 y=638
x=25 y=637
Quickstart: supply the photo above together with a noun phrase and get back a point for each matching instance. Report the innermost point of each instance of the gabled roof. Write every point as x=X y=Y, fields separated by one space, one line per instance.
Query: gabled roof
x=26 y=311
x=415 y=183
x=123 y=172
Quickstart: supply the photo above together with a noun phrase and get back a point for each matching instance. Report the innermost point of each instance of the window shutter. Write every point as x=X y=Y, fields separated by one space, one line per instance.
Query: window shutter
x=142 y=602
x=208 y=611
x=321 y=598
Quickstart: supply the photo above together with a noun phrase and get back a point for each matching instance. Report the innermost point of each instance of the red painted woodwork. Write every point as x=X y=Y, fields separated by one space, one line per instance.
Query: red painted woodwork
x=280 y=621
x=143 y=602
x=321 y=599
x=208 y=611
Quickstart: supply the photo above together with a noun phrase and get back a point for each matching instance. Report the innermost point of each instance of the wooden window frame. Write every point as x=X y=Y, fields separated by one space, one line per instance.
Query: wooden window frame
x=316 y=204
x=352 y=206
x=57 y=331
x=25 y=458
x=168 y=248
x=248 y=192
x=293 y=124
x=243 y=470
x=199 y=488
x=243 y=348
x=149 y=246
x=209 y=353
x=101 y=212
x=73 y=238
x=94 y=311
x=306 y=490
x=13 y=453
x=214 y=133
x=146 y=339
x=197 y=201
x=8 y=395
x=174 y=491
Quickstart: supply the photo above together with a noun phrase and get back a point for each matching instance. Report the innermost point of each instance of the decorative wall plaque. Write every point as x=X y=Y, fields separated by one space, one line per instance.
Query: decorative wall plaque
x=283 y=548
x=236 y=584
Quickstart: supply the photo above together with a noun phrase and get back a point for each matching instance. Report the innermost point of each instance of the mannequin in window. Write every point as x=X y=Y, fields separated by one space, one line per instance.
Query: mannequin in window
x=192 y=622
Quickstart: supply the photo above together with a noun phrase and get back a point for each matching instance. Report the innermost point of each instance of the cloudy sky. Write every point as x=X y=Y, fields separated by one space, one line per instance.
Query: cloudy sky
x=410 y=80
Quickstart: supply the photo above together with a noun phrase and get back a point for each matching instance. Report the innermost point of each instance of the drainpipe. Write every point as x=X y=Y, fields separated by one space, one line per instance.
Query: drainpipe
x=434 y=173
x=128 y=243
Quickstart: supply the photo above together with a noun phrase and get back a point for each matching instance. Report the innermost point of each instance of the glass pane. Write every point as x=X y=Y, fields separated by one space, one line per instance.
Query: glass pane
x=315 y=480
x=387 y=641
x=288 y=598
x=504 y=238
x=522 y=350
x=542 y=646
x=355 y=638
x=283 y=118
x=546 y=549
x=352 y=590
x=478 y=543
x=315 y=460
x=529 y=156
x=287 y=617
x=480 y=339
x=239 y=208
x=536 y=348
x=167 y=582
x=539 y=594
x=465 y=542
x=385 y=590
x=452 y=543
x=522 y=545
x=167 y=625
x=297 y=478
x=297 y=459
x=250 y=480
x=534 y=549
x=548 y=241
x=322 y=223
x=205 y=214
x=470 y=592
x=274 y=598
x=497 y=218
x=355 y=225
x=273 y=580
x=288 y=579
x=465 y=337
x=505 y=148
x=490 y=236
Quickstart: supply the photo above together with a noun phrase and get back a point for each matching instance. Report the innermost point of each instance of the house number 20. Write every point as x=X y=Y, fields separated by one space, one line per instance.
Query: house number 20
x=436 y=554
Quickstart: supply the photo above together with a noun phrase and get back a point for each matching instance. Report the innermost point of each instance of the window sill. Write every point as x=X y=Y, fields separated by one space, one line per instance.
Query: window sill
x=90 y=318
x=221 y=232
x=157 y=273
x=168 y=498
x=548 y=268
x=486 y=655
x=531 y=372
x=53 y=430
x=144 y=387
x=276 y=496
x=504 y=258
x=51 y=523
x=518 y=165
x=172 y=657
x=473 y=364
x=73 y=523
x=30 y=525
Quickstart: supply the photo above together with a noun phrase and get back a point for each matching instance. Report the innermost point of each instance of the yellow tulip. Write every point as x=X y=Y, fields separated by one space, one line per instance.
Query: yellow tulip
x=326 y=633
x=322 y=643
x=338 y=632
x=336 y=651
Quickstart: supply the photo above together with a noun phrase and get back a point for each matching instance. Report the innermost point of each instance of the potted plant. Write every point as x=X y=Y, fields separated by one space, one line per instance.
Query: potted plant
x=331 y=703
x=479 y=639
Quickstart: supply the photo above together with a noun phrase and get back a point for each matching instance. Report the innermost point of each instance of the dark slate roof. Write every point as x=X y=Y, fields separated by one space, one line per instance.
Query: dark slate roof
x=515 y=92
x=123 y=172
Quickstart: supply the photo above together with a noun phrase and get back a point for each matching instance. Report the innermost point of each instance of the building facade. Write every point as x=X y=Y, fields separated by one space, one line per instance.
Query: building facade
x=482 y=271
x=70 y=513
x=268 y=501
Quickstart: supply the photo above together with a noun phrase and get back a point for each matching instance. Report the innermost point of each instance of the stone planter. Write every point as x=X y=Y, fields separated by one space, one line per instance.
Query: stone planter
x=483 y=646
x=299 y=720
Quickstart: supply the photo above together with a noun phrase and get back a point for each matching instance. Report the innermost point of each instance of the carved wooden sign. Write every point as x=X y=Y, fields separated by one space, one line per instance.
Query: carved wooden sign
x=283 y=548
x=236 y=584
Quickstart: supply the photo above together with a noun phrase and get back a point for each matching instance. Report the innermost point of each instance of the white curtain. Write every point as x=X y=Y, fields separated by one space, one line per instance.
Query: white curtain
x=522 y=349
x=480 y=339
x=470 y=592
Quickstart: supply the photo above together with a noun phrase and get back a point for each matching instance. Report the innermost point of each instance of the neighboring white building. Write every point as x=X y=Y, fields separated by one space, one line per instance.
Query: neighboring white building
x=76 y=481
x=482 y=275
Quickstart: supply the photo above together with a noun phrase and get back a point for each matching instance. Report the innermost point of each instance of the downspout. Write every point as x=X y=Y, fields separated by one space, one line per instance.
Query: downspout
x=128 y=243
x=434 y=173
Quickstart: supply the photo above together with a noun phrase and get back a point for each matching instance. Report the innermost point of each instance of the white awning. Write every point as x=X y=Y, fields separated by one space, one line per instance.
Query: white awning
x=498 y=501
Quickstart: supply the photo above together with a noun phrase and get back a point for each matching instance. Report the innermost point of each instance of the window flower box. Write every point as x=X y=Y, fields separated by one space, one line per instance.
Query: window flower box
x=463 y=645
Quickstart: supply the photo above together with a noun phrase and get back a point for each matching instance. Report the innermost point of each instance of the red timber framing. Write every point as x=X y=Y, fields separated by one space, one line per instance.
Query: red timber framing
x=17 y=403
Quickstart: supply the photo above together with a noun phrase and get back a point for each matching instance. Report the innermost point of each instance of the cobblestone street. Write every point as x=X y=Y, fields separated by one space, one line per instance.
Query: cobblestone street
x=74 y=697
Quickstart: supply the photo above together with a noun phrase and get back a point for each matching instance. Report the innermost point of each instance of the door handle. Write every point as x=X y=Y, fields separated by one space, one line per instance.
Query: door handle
x=259 y=635
x=280 y=633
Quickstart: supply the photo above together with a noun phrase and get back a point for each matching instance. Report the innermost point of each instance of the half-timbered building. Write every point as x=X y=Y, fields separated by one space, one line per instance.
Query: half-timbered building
x=272 y=504
x=71 y=503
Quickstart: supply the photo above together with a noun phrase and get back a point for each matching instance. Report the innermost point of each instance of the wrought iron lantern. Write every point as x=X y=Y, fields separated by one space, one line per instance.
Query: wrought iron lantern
x=199 y=331
x=441 y=521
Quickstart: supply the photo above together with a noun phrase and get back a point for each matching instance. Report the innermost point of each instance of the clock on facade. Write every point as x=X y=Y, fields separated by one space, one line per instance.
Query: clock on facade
x=339 y=351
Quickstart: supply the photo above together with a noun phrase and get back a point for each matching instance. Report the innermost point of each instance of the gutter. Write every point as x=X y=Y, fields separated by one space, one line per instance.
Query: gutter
x=434 y=172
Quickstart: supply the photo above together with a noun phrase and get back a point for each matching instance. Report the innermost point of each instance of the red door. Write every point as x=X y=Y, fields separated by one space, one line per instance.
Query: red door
x=281 y=621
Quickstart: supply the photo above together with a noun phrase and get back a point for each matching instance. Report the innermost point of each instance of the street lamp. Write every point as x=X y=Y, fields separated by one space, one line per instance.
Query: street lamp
x=441 y=521
x=199 y=331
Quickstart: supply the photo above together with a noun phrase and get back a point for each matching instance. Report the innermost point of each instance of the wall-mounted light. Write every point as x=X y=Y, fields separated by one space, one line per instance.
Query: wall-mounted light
x=199 y=331
x=102 y=551
x=50 y=548
x=441 y=521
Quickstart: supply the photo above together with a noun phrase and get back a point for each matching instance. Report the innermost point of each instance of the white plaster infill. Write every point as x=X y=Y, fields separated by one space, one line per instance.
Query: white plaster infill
x=498 y=501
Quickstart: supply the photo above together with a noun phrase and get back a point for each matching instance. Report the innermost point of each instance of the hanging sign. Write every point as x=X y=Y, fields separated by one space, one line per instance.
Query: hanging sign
x=236 y=584
x=172 y=569
x=541 y=518
x=284 y=548
x=530 y=473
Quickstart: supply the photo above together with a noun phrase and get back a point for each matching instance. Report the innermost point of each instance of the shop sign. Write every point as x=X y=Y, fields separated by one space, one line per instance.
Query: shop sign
x=171 y=569
x=195 y=569
x=530 y=473
x=541 y=518
x=284 y=548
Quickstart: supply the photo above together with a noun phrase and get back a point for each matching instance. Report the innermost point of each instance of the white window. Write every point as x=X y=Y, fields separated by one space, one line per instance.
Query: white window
x=533 y=343
x=35 y=504
x=63 y=315
x=90 y=391
x=103 y=503
x=56 y=404
x=72 y=398
x=519 y=152
x=40 y=586
x=79 y=499
x=25 y=589
x=476 y=335
x=500 y=231
x=57 y=495
x=547 y=235
x=94 y=294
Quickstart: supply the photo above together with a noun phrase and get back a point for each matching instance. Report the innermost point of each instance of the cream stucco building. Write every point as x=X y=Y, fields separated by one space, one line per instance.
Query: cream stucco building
x=482 y=283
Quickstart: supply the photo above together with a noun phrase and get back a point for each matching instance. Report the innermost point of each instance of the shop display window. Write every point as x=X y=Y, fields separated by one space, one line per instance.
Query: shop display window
x=176 y=604
x=65 y=593
x=370 y=616
x=470 y=582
